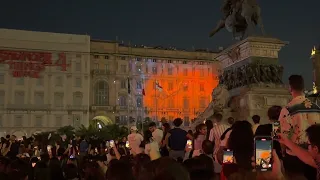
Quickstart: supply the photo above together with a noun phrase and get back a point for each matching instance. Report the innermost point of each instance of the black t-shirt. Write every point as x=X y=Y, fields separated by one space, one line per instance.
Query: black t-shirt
x=177 y=139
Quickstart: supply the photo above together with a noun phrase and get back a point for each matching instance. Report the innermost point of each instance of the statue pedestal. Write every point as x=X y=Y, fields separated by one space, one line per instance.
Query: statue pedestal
x=253 y=77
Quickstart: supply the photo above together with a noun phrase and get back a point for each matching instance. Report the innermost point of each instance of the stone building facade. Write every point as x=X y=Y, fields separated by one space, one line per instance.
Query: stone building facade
x=44 y=81
x=131 y=83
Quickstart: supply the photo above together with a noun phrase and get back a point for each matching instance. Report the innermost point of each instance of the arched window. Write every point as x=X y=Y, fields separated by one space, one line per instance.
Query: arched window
x=102 y=93
x=139 y=102
x=123 y=101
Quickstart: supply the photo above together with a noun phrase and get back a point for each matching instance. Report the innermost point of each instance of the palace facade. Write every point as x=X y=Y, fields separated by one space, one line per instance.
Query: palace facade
x=131 y=83
x=44 y=81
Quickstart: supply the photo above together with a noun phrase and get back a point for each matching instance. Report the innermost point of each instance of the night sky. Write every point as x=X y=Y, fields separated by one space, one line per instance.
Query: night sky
x=179 y=23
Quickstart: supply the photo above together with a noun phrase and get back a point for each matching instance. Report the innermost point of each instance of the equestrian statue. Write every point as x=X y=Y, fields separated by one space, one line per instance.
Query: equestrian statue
x=240 y=17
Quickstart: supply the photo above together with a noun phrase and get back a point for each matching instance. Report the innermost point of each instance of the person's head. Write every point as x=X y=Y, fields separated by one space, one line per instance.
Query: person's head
x=164 y=168
x=133 y=129
x=274 y=113
x=217 y=117
x=207 y=147
x=256 y=119
x=230 y=120
x=201 y=129
x=63 y=137
x=209 y=124
x=119 y=170
x=165 y=127
x=177 y=122
x=147 y=135
x=13 y=137
x=70 y=171
x=313 y=133
x=200 y=168
x=152 y=126
x=18 y=170
x=7 y=136
x=296 y=84
x=241 y=141
x=139 y=163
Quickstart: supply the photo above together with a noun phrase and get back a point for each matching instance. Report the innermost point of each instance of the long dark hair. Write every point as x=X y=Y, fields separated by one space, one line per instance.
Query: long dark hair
x=209 y=125
x=147 y=136
x=166 y=130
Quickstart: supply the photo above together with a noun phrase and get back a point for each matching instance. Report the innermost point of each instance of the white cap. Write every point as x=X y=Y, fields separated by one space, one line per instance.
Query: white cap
x=133 y=128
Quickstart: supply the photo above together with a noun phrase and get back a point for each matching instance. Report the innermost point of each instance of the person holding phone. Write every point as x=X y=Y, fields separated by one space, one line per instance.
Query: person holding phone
x=134 y=141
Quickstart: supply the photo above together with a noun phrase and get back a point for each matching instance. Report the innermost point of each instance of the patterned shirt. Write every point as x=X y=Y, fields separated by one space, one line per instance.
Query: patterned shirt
x=296 y=117
x=215 y=134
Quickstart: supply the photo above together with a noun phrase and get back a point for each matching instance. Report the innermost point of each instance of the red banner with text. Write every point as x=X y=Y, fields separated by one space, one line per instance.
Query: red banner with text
x=31 y=64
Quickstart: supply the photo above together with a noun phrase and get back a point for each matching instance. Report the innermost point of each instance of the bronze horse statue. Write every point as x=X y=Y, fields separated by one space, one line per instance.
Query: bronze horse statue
x=240 y=17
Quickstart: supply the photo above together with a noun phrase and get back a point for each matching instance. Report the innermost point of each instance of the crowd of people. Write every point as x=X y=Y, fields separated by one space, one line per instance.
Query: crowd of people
x=171 y=153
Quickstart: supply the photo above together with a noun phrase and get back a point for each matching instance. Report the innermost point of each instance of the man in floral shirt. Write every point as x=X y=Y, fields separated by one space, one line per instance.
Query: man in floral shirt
x=295 y=118
x=310 y=156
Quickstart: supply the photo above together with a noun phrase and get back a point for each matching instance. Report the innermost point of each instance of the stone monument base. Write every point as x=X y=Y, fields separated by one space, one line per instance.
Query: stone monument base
x=256 y=100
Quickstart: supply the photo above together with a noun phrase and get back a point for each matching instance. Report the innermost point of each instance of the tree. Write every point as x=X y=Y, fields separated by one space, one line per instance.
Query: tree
x=67 y=130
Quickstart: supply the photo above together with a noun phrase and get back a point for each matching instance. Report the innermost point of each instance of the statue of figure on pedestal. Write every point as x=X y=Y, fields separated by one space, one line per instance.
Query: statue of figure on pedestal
x=239 y=17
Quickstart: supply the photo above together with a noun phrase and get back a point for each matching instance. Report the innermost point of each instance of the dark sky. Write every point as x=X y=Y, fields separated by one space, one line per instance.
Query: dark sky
x=179 y=23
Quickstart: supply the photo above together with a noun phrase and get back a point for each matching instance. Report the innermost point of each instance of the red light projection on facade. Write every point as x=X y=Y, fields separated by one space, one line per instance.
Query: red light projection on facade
x=31 y=64
x=180 y=95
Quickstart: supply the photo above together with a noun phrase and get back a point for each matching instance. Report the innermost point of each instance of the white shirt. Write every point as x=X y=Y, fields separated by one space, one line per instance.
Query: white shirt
x=152 y=149
x=135 y=140
x=157 y=135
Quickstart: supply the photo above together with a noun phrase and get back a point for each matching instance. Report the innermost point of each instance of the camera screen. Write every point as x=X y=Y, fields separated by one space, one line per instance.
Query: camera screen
x=228 y=156
x=263 y=154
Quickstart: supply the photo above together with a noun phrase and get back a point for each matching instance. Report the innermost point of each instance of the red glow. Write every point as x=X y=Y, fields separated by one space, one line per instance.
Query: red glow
x=181 y=95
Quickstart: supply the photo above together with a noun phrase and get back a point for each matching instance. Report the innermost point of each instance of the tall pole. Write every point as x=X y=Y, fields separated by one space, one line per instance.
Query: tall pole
x=155 y=91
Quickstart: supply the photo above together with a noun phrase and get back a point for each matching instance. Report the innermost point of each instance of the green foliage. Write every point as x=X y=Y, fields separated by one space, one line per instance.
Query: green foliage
x=67 y=130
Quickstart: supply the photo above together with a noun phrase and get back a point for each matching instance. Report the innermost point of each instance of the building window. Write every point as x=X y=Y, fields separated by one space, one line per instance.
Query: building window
x=123 y=120
x=58 y=99
x=201 y=63
x=185 y=88
x=201 y=72
x=123 y=58
x=170 y=70
x=138 y=69
x=169 y=61
x=123 y=101
x=77 y=99
x=102 y=93
x=171 y=103
x=106 y=67
x=39 y=81
x=78 y=66
x=1 y=78
x=139 y=85
x=58 y=122
x=2 y=97
x=1 y=121
x=78 y=56
x=186 y=103
x=123 y=84
x=202 y=103
x=20 y=81
x=76 y=120
x=59 y=81
x=39 y=98
x=106 y=57
x=77 y=82
x=201 y=87
x=170 y=86
x=123 y=68
x=38 y=121
x=154 y=60
x=19 y=97
x=17 y=121
x=96 y=56
x=96 y=66
x=186 y=121
x=185 y=72
x=139 y=102
x=154 y=70
x=184 y=62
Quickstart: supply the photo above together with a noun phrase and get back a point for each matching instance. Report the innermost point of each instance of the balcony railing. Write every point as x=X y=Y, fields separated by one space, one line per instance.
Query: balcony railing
x=29 y=107
x=97 y=107
x=77 y=107
x=100 y=72
x=121 y=108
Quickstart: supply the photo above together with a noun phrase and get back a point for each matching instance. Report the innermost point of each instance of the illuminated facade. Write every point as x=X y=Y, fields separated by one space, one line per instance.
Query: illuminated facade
x=163 y=83
x=44 y=81
x=315 y=56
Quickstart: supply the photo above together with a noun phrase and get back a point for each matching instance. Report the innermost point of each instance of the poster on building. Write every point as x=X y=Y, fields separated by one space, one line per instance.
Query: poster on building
x=31 y=64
